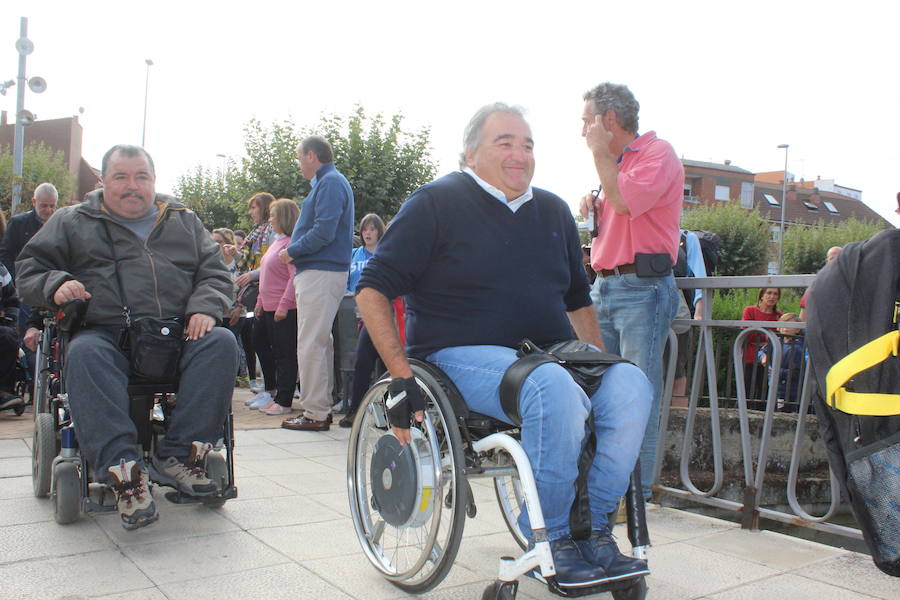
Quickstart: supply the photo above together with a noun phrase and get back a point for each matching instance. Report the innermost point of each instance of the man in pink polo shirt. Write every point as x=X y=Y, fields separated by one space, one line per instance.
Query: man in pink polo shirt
x=637 y=216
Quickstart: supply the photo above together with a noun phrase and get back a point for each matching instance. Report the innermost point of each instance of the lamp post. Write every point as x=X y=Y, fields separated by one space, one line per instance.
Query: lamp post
x=146 y=88
x=24 y=47
x=783 y=202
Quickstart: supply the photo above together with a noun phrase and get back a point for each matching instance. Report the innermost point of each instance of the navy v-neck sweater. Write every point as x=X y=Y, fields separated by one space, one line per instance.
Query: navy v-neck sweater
x=475 y=273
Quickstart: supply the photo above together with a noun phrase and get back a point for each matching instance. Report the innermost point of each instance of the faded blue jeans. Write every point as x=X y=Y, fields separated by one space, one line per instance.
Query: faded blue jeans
x=635 y=315
x=554 y=410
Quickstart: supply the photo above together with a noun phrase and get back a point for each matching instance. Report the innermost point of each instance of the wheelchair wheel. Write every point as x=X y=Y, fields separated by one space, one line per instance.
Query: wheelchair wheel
x=66 y=493
x=416 y=548
x=512 y=502
x=44 y=449
x=217 y=471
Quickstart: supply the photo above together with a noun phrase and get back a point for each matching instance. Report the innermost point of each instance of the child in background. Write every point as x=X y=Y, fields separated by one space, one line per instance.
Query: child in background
x=793 y=353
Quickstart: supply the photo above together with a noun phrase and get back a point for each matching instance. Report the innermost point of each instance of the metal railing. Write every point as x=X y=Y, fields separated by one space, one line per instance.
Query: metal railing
x=754 y=468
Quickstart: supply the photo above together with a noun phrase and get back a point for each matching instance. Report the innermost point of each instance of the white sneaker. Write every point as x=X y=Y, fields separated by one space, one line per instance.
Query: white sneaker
x=260 y=400
x=256 y=386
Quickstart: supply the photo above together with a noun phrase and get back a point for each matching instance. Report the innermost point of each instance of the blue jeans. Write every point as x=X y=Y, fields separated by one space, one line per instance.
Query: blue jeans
x=635 y=315
x=554 y=410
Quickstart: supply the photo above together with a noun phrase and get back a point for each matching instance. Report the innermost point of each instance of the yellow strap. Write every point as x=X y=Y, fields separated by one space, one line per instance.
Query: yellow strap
x=864 y=357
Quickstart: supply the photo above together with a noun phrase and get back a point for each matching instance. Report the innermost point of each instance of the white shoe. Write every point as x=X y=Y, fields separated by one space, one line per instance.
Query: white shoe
x=260 y=400
x=256 y=386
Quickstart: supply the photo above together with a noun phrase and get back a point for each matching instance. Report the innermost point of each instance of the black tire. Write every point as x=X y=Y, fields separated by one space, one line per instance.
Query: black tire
x=501 y=590
x=512 y=500
x=66 y=493
x=415 y=559
x=637 y=591
x=217 y=470
x=44 y=448
x=19 y=410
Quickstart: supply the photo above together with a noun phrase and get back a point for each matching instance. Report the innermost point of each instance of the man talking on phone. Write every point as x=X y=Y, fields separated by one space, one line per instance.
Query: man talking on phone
x=637 y=216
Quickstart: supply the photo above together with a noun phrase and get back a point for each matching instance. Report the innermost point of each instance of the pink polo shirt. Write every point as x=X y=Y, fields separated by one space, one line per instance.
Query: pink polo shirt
x=276 y=279
x=651 y=180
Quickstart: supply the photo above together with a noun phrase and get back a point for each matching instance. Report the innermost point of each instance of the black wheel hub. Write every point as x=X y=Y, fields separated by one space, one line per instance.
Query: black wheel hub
x=395 y=480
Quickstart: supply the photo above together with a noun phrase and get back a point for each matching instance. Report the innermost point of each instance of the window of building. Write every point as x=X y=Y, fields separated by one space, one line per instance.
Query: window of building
x=722 y=193
x=831 y=208
x=810 y=206
x=773 y=268
x=771 y=200
x=773 y=231
x=746 y=194
x=689 y=194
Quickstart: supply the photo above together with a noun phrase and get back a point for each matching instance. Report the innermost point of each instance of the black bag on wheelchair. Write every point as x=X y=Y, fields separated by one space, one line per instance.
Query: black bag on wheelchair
x=853 y=340
x=154 y=347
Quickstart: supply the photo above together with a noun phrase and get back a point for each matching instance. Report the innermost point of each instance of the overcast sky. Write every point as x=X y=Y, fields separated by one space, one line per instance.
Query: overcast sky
x=719 y=80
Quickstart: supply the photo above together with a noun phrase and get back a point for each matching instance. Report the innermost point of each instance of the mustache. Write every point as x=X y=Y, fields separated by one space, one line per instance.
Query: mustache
x=137 y=195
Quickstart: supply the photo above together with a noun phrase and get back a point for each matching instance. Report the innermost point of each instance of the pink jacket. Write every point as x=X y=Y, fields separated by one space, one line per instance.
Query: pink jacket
x=276 y=280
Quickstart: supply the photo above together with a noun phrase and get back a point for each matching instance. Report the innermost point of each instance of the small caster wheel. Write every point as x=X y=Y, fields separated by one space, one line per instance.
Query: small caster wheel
x=501 y=590
x=637 y=591
x=66 y=493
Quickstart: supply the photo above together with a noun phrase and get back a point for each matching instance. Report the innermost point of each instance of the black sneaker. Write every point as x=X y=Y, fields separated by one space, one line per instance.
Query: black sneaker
x=8 y=400
x=572 y=570
x=133 y=500
x=601 y=550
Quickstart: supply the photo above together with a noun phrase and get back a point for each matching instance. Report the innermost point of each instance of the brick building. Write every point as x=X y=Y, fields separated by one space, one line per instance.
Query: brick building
x=60 y=135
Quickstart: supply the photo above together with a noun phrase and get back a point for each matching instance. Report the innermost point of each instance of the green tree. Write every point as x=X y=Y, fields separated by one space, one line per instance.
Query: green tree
x=805 y=247
x=218 y=198
x=745 y=236
x=382 y=161
x=39 y=164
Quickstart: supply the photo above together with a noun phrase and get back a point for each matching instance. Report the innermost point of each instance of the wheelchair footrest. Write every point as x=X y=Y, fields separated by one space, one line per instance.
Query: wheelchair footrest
x=178 y=497
x=622 y=585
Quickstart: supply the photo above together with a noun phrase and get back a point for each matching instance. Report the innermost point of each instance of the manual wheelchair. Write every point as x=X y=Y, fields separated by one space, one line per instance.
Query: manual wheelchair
x=58 y=469
x=408 y=507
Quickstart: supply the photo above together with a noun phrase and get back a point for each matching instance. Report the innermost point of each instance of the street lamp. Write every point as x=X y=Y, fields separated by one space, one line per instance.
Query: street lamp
x=783 y=203
x=146 y=88
x=24 y=47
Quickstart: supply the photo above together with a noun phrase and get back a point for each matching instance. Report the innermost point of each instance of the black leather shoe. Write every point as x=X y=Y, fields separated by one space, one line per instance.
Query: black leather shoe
x=572 y=570
x=601 y=550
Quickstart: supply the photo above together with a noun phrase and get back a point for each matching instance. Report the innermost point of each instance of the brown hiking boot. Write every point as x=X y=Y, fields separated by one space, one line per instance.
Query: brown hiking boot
x=133 y=500
x=188 y=477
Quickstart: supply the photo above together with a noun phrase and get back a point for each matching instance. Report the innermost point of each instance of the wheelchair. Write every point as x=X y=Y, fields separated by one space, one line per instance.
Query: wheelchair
x=408 y=507
x=57 y=467
x=22 y=374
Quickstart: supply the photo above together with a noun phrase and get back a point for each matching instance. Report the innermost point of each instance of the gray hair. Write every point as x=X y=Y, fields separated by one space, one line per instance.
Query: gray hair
x=619 y=99
x=46 y=189
x=472 y=133
x=125 y=150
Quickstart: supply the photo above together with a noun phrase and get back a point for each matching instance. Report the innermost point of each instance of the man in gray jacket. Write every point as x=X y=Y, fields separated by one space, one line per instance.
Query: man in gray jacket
x=128 y=245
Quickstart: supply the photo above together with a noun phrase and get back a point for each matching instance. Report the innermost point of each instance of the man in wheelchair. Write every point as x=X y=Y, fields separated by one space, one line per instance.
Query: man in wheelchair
x=485 y=261
x=135 y=253
x=9 y=342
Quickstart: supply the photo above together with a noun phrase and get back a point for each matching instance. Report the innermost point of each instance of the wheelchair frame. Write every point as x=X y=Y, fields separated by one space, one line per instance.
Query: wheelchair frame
x=58 y=469
x=456 y=444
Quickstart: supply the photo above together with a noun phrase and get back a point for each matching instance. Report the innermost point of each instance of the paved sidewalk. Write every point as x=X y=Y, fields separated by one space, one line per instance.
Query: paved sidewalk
x=289 y=535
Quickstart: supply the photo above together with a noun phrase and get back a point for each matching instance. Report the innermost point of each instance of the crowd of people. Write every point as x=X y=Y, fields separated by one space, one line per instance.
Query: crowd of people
x=474 y=263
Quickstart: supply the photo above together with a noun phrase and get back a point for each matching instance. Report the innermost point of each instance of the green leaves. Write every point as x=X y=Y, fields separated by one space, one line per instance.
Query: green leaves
x=745 y=236
x=382 y=161
x=805 y=247
x=39 y=164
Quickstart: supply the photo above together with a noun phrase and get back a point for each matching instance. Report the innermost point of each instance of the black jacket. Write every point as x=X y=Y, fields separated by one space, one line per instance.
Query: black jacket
x=20 y=229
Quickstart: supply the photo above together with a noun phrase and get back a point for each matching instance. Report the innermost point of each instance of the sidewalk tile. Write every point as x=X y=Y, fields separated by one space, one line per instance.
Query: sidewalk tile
x=16 y=487
x=202 y=557
x=278 y=582
x=856 y=572
x=274 y=512
x=92 y=573
x=788 y=586
x=767 y=548
x=44 y=540
x=14 y=448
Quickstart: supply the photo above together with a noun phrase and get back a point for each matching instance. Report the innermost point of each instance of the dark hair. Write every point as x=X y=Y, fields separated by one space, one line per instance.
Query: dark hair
x=619 y=99
x=240 y=232
x=125 y=150
x=373 y=220
x=319 y=146
x=264 y=199
x=763 y=291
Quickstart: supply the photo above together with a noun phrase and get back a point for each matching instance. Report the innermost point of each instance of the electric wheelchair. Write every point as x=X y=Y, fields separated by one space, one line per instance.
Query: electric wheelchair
x=58 y=469
x=408 y=507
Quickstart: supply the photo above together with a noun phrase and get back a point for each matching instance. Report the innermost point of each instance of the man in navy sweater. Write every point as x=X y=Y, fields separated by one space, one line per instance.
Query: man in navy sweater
x=320 y=249
x=484 y=261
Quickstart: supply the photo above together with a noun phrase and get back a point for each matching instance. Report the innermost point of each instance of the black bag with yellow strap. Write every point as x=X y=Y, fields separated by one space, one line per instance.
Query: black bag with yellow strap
x=854 y=341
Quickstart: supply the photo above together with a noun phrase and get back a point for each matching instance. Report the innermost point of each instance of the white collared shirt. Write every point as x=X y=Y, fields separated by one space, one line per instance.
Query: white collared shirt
x=513 y=205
